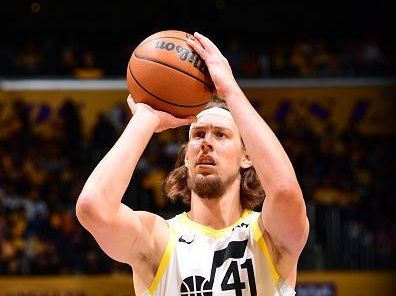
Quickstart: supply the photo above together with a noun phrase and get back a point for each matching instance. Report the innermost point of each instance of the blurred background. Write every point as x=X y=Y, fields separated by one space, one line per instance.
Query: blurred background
x=321 y=74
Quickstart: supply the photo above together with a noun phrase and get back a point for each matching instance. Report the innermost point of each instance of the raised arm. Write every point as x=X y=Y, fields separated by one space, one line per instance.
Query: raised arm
x=122 y=233
x=283 y=214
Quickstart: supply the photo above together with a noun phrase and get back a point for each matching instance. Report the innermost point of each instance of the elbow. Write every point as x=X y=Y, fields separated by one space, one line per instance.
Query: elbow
x=89 y=210
x=85 y=208
x=289 y=191
x=290 y=201
x=299 y=236
x=299 y=230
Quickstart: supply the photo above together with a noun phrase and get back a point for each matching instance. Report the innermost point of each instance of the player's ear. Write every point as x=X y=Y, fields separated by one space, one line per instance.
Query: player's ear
x=246 y=162
x=182 y=158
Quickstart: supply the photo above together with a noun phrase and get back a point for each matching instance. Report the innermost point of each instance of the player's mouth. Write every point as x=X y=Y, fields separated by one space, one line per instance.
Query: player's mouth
x=205 y=161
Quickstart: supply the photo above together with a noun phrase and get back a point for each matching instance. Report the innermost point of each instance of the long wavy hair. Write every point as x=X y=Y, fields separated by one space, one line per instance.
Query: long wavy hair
x=175 y=185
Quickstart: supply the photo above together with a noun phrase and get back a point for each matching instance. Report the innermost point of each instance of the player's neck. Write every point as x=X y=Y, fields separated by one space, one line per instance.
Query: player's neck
x=217 y=213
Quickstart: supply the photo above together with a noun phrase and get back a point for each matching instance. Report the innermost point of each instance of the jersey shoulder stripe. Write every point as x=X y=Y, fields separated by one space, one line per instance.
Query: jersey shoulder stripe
x=259 y=239
x=164 y=263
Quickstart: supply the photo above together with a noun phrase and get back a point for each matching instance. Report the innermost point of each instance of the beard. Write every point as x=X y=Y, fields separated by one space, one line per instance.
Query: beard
x=209 y=186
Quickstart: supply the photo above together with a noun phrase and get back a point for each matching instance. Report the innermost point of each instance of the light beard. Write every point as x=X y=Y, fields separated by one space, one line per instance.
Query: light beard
x=209 y=186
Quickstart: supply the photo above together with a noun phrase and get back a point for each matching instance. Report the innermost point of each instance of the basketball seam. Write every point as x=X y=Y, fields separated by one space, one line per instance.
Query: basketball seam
x=162 y=100
x=170 y=66
x=170 y=37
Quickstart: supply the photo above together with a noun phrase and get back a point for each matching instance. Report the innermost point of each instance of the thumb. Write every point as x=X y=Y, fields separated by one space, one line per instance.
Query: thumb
x=131 y=104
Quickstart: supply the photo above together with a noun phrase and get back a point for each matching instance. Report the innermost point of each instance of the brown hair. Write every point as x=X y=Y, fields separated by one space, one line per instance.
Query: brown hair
x=175 y=185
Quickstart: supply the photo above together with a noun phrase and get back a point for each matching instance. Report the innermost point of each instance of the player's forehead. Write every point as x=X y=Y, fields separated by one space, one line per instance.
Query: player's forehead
x=214 y=121
x=215 y=118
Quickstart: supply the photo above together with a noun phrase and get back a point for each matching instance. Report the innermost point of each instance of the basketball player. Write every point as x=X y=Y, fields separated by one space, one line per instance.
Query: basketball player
x=220 y=247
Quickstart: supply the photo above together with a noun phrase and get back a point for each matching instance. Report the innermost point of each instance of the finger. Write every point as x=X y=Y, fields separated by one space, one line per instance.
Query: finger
x=198 y=42
x=206 y=42
x=198 y=48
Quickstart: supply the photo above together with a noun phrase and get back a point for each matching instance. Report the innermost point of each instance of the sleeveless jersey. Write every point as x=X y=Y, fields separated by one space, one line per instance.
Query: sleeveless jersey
x=201 y=261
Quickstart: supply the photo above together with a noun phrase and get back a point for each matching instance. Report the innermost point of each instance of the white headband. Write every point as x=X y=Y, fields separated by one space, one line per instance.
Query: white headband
x=212 y=111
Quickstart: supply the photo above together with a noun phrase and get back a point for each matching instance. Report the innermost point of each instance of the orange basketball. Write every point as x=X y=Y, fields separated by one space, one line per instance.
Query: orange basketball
x=166 y=74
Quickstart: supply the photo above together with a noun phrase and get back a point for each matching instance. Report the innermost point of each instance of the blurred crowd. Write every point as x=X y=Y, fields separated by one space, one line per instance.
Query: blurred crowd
x=345 y=177
x=300 y=58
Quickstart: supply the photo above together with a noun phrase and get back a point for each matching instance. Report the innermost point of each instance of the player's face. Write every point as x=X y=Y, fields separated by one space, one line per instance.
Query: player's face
x=214 y=155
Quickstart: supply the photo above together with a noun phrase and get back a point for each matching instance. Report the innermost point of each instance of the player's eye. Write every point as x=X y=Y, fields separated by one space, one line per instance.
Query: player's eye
x=220 y=134
x=199 y=134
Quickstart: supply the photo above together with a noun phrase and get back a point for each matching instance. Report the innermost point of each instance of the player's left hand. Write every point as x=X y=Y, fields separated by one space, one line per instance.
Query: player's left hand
x=218 y=66
x=164 y=120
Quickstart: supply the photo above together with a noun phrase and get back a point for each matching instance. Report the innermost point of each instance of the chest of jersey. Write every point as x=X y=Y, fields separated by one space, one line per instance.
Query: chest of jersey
x=201 y=261
x=216 y=266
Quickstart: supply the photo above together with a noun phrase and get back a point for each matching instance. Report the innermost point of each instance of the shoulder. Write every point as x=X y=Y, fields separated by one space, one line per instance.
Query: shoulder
x=147 y=217
x=152 y=225
x=178 y=222
x=152 y=243
x=155 y=233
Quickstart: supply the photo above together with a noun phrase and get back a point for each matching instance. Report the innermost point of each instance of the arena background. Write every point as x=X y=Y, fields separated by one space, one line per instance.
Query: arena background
x=321 y=74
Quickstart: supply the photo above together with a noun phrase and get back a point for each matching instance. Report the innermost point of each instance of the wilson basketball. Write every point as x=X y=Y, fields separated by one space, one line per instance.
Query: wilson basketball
x=166 y=74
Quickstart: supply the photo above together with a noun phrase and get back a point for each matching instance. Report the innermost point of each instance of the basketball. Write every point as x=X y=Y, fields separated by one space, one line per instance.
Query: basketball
x=166 y=74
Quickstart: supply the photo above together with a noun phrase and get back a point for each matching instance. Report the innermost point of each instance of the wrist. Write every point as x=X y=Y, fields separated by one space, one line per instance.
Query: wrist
x=146 y=119
x=226 y=91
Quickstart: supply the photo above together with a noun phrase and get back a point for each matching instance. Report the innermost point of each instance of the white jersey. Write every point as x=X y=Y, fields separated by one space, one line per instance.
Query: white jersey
x=202 y=261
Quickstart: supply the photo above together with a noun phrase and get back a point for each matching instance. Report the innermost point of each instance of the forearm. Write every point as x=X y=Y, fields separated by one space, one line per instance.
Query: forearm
x=269 y=158
x=263 y=147
x=107 y=183
x=283 y=213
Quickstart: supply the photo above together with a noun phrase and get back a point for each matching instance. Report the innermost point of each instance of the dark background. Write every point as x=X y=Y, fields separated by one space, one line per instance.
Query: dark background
x=129 y=19
x=111 y=29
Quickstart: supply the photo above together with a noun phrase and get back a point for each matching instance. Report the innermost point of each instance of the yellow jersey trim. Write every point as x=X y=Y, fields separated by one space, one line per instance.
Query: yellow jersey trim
x=170 y=246
x=209 y=231
x=259 y=239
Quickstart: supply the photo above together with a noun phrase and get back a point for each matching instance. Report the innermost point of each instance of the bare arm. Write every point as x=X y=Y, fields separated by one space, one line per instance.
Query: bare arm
x=284 y=214
x=125 y=235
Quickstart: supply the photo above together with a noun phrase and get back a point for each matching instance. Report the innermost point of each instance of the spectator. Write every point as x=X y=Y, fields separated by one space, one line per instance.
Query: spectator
x=88 y=69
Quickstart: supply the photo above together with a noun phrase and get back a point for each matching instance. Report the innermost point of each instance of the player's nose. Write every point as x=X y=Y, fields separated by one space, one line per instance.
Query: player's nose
x=207 y=144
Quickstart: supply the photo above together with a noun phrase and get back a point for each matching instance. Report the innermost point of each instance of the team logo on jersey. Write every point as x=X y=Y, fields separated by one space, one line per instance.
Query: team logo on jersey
x=198 y=285
x=195 y=285
x=188 y=239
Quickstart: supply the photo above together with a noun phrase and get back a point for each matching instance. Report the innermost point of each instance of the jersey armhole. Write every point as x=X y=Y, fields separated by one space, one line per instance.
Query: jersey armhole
x=164 y=263
x=259 y=239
